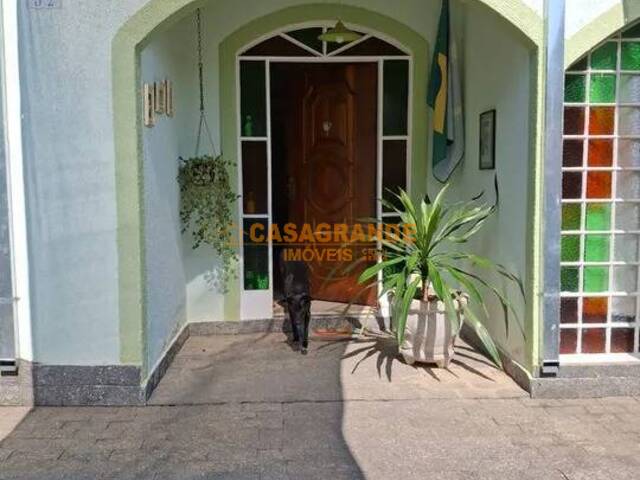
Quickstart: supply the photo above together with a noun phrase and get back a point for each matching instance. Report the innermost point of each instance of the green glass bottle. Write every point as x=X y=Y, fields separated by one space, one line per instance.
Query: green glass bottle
x=247 y=128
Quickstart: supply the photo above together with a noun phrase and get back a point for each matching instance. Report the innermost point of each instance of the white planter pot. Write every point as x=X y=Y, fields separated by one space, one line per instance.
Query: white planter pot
x=428 y=336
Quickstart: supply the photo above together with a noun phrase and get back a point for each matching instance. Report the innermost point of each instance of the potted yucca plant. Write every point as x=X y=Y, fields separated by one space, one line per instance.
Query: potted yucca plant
x=429 y=280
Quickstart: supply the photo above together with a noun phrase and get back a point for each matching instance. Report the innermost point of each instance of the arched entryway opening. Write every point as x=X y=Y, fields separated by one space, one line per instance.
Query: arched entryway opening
x=136 y=298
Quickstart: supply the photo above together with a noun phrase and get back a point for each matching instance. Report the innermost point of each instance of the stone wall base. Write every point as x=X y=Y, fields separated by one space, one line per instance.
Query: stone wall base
x=589 y=381
x=572 y=381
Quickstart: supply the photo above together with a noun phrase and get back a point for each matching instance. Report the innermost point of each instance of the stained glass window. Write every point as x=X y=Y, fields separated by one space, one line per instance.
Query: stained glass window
x=601 y=200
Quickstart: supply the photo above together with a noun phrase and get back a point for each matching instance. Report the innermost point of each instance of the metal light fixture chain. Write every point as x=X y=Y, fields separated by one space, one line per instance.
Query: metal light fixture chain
x=203 y=119
x=200 y=64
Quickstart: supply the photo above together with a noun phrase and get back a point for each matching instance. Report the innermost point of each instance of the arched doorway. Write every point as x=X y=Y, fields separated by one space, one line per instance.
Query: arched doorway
x=157 y=14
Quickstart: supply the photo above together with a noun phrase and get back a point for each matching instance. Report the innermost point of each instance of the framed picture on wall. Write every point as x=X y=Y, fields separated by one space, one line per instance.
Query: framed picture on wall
x=488 y=140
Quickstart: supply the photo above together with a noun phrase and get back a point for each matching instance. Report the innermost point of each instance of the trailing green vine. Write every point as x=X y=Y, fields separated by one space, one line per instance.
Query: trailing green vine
x=206 y=202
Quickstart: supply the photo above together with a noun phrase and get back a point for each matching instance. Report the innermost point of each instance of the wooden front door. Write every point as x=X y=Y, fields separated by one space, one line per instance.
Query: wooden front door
x=332 y=166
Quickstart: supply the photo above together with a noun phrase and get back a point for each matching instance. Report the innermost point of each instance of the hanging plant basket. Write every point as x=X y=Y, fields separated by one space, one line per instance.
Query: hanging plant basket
x=206 y=210
x=206 y=197
x=198 y=171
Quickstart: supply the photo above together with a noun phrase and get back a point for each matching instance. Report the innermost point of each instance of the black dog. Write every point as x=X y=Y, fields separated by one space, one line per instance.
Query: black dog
x=295 y=275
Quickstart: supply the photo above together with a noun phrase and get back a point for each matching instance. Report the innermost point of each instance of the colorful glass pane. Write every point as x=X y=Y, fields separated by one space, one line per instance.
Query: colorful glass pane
x=599 y=185
x=630 y=56
x=594 y=309
x=571 y=185
x=629 y=88
x=574 y=88
x=571 y=216
x=622 y=340
x=629 y=121
x=625 y=248
x=605 y=57
x=596 y=248
x=569 y=279
x=574 y=120
x=598 y=216
x=601 y=120
x=596 y=279
x=628 y=153
x=572 y=153
x=568 y=340
x=570 y=248
x=594 y=340
x=625 y=278
x=603 y=88
x=628 y=216
x=623 y=309
x=600 y=153
x=569 y=310
x=628 y=185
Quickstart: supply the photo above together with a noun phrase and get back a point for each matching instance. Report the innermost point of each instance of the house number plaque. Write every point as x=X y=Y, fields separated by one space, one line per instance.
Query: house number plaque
x=45 y=4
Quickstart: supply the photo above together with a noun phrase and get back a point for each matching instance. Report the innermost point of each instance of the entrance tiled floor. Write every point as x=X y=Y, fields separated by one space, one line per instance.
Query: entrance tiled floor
x=262 y=368
x=263 y=412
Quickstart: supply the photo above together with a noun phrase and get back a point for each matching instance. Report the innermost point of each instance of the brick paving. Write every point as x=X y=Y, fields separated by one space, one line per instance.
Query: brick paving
x=375 y=434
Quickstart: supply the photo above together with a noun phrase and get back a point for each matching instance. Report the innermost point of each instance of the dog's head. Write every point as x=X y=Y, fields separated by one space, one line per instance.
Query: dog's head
x=299 y=306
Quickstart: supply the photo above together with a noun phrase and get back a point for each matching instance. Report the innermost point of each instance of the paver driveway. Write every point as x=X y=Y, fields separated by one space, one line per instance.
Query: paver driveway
x=246 y=407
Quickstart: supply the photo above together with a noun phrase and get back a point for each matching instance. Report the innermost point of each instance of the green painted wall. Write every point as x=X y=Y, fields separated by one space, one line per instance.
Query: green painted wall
x=499 y=73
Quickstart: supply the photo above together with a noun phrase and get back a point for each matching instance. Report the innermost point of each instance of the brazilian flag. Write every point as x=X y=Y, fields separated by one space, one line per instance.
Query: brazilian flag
x=444 y=97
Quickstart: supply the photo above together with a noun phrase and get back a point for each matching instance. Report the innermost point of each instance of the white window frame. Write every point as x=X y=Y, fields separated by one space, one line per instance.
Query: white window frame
x=258 y=304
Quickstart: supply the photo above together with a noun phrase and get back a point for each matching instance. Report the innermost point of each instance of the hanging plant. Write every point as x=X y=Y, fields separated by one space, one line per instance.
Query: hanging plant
x=206 y=202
